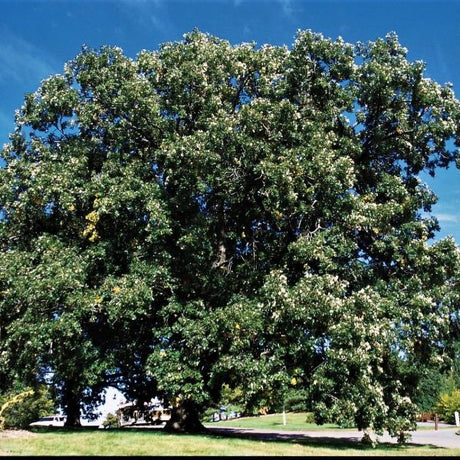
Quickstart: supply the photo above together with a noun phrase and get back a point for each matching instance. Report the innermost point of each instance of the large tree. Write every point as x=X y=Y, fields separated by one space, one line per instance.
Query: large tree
x=209 y=214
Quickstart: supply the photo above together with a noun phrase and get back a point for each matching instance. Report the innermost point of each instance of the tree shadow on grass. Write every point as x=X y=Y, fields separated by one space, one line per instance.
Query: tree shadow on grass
x=329 y=442
x=318 y=441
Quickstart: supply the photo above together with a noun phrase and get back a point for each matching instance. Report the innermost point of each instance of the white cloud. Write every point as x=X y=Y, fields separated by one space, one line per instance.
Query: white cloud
x=22 y=61
x=443 y=217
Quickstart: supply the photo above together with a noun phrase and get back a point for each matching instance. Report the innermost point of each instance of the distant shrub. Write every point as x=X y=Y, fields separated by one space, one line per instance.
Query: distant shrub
x=447 y=405
x=111 y=421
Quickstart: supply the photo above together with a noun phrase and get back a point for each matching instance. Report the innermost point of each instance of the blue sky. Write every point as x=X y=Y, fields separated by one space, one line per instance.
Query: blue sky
x=38 y=36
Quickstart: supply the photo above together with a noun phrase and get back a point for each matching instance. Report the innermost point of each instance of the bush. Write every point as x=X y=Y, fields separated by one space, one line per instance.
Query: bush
x=447 y=405
x=111 y=421
x=27 y=410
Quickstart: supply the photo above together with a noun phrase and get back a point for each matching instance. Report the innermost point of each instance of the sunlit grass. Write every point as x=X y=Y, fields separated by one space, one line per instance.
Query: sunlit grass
x=157 y=443
x=154 y=442
x=295 y=421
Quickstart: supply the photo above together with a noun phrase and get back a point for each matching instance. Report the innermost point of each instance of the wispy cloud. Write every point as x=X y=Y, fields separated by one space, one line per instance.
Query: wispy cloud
x=287 y=8
x=147 y=13
x=21 y=61
x=443 y=217
x=286 y=5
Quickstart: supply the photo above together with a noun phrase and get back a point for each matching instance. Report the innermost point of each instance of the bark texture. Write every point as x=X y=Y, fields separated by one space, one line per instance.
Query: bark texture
x=185 y=419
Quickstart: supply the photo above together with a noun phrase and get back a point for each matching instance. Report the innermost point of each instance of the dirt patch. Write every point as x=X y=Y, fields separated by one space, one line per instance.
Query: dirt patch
x=18 y=434
x=21 y=434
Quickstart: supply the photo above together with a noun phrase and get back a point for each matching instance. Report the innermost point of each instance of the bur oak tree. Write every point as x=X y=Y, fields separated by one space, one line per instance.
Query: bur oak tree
x=209 y=214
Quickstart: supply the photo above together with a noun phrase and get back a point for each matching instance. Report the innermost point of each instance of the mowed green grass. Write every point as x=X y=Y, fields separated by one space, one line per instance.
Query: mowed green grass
x=157 y=443
x=294 y=421
x=124 y=442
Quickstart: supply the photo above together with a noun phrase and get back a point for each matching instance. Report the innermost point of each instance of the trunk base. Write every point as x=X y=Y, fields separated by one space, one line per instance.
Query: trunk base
x=185 y=419
x=72 y=422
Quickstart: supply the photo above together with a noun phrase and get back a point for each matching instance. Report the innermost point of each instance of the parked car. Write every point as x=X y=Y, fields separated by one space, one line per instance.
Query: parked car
x=50 y=420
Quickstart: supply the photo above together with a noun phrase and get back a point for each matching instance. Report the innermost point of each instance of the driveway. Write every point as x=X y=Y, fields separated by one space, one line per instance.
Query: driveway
x=444 y=437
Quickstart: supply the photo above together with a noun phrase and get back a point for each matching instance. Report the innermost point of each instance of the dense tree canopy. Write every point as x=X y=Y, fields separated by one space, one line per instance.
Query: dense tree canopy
x=210 y=214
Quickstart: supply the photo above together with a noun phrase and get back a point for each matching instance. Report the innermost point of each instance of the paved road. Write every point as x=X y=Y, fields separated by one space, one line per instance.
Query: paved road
x=444 y=437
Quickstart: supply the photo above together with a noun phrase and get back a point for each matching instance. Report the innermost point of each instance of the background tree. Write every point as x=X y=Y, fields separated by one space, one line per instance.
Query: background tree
x=25 y=407
x=432 y=385
x=209 y=214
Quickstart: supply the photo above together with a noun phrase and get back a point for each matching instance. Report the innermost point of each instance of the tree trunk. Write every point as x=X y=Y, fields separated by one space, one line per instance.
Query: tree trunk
x=185 y=419
x=71 y=404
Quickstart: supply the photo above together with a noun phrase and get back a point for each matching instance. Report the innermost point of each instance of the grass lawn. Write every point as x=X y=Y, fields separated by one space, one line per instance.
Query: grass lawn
x=294 y=421
x=142 y=442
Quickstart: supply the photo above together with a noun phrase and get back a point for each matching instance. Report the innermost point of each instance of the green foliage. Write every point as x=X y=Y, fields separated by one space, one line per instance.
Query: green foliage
x=447 y=405
x=111 y=421
x=431 y=385
x=232 y=399
x=28 y=409
x=296 y=400
x=208 y=213
x=427 y=392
